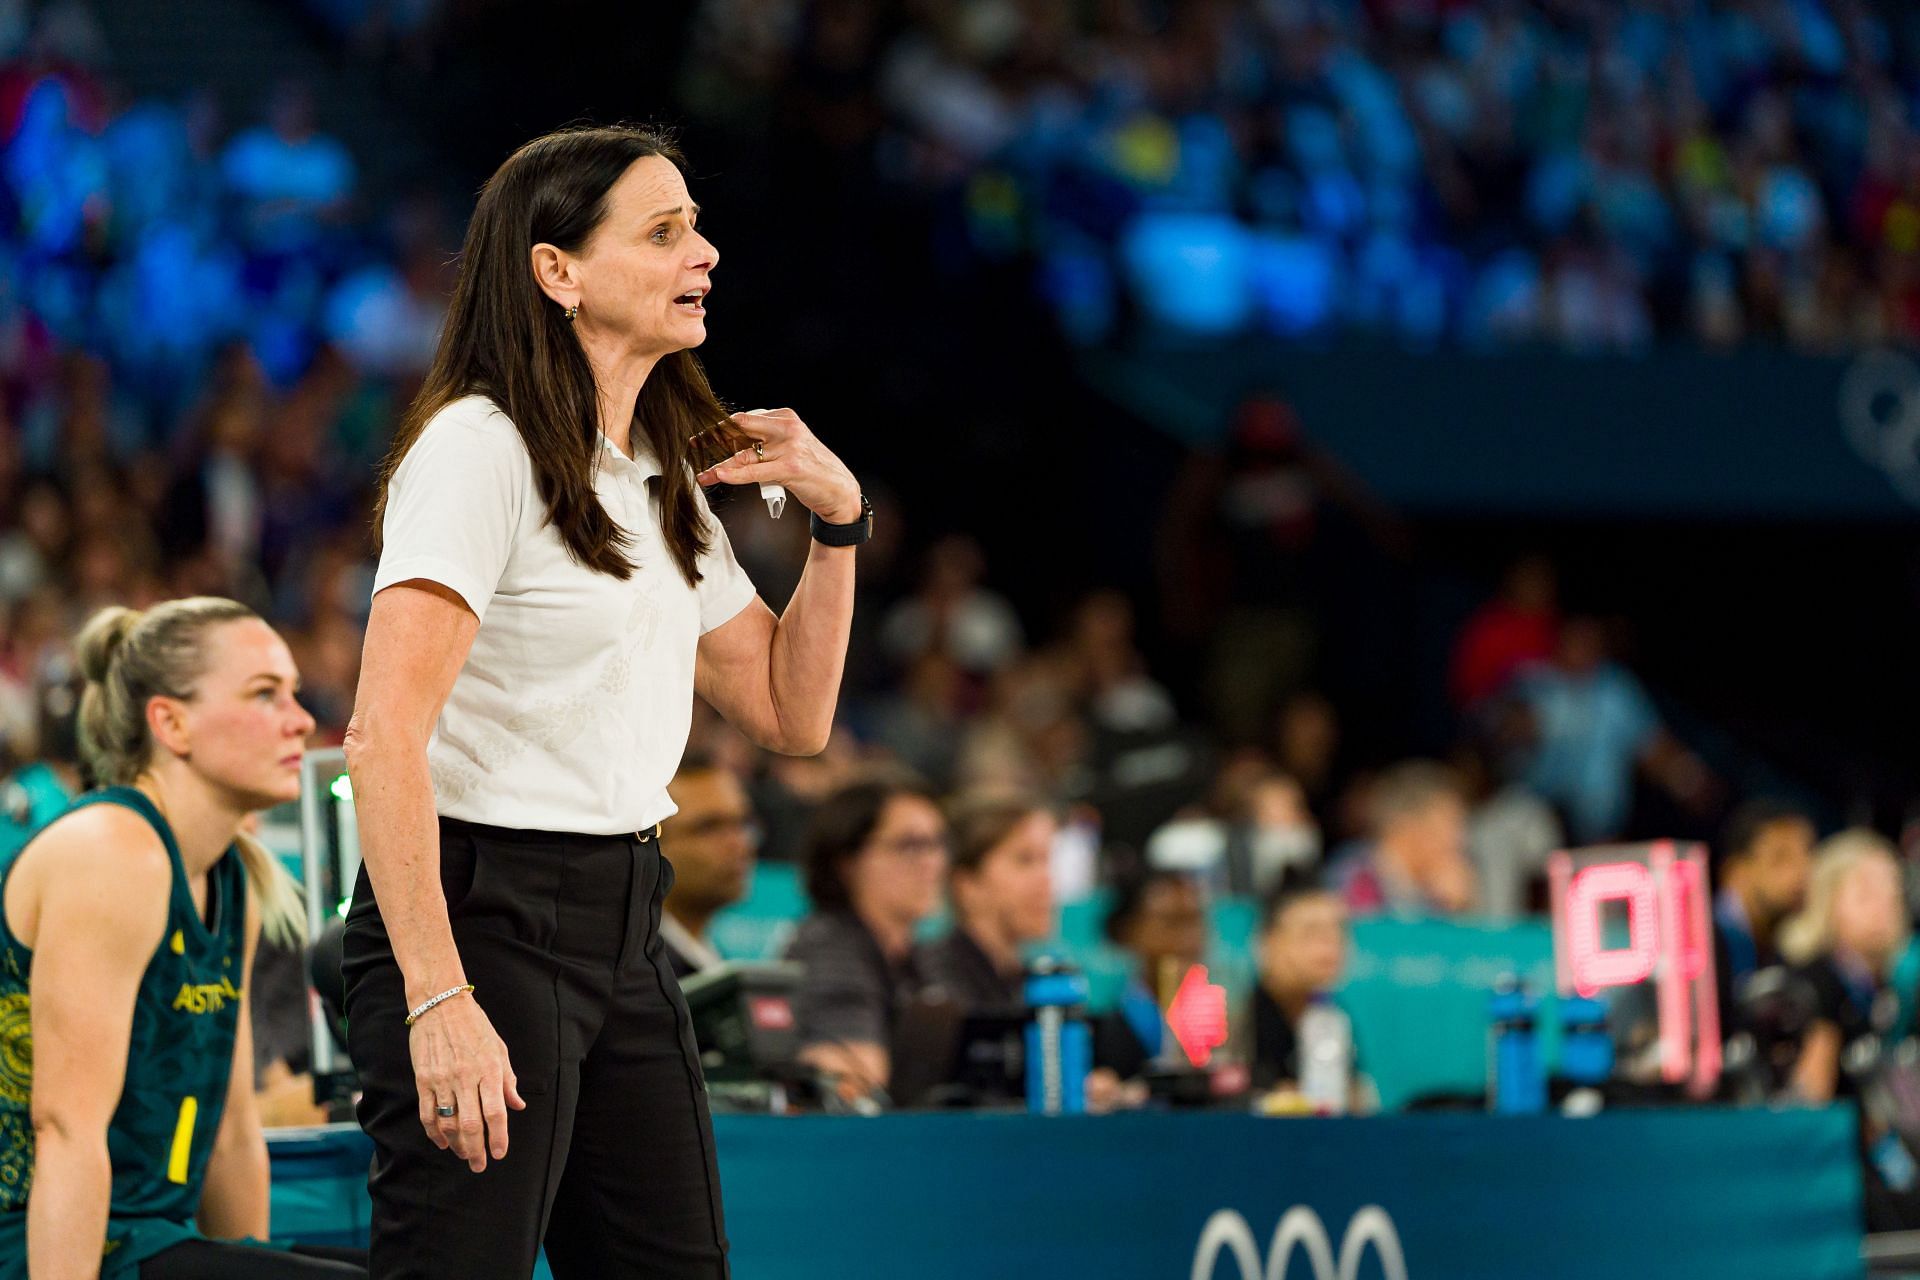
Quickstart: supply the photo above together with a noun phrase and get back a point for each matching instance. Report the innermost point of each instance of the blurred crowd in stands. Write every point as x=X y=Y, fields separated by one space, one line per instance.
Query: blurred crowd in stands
x=1597 y=173
x=204 y=341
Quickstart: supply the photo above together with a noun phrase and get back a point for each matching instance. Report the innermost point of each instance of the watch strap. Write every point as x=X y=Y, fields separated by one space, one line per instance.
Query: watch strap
x=851 y=534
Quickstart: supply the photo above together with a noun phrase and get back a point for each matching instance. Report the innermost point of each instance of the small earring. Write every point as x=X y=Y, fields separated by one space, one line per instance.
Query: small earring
x=572 y=311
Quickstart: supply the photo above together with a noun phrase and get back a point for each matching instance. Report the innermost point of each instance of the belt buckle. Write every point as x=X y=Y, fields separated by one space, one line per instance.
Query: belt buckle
x=651 y=833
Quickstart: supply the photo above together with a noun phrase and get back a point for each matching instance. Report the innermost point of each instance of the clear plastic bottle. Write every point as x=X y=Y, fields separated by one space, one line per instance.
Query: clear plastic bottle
x=1326 y=1057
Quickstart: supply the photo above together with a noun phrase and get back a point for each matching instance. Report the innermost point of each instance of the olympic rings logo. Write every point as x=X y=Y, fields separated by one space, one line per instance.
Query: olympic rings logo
x=1300 y=1227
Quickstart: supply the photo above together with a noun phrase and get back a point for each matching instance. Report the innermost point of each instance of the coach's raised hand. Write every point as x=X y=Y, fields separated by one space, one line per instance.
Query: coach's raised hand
x=792 y=456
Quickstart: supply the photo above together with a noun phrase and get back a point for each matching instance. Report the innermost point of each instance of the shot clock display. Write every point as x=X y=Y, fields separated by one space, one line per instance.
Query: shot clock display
x=1631 y=916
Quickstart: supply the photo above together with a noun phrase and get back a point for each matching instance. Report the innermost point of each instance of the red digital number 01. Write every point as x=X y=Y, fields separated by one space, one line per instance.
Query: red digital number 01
x=1669 y=939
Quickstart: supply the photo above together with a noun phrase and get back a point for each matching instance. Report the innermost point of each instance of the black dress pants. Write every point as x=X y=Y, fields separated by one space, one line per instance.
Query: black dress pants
x=611 y=1164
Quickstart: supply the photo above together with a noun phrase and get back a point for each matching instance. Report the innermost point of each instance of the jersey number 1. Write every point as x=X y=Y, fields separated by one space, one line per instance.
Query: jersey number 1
x=182 y=1141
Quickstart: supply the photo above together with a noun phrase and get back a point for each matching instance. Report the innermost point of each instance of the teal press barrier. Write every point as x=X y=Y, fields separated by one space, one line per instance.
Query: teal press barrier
x=1651 y=1195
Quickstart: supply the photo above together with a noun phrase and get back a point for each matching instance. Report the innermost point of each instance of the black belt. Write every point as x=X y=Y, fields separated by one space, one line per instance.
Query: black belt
x=651 y=833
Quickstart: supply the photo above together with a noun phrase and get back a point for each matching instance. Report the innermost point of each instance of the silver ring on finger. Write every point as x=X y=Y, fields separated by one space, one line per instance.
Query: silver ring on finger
x=445 y=1110
x=760 y=450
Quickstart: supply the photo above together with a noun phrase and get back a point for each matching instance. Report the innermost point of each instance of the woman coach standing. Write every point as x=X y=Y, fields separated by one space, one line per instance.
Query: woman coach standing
x=552 y=591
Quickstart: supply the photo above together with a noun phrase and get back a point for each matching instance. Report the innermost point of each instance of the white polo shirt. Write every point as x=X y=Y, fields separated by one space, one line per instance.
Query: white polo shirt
x=572 y=711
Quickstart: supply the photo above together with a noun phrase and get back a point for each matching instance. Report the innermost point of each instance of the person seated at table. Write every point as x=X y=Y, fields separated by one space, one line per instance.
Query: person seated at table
x=876 y=858
x=1766 y=857
x=130 y=1142
x=1159 y=919
x=1844 y=943
x=713 y=837
x=1001 y=892
x=1302 y=951
x=1417 y=864
x=1001 y=889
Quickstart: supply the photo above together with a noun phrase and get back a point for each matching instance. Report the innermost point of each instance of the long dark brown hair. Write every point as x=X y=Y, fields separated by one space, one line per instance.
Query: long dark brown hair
x=505 y=339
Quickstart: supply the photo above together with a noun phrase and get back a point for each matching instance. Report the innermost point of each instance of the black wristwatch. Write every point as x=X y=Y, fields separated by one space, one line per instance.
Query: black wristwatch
x=851 y=534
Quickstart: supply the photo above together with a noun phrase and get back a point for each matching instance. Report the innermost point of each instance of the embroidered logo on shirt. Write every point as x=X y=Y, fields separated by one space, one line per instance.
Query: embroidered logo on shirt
x=554 y=723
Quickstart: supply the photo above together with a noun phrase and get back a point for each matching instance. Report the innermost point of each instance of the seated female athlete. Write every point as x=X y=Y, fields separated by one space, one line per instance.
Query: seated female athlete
x=130 y=1145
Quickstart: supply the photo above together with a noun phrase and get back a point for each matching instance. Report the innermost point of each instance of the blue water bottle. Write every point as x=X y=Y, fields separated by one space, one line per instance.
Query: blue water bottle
x=1059 y=1042
x=1586 y=1046
x=1519 y=1083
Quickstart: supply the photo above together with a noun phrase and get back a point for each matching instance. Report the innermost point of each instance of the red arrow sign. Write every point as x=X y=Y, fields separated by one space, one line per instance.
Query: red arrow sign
x=1198 y=1016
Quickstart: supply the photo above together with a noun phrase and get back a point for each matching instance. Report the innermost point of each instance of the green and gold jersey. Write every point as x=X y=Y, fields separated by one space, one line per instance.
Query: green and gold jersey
x=178 y=1063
